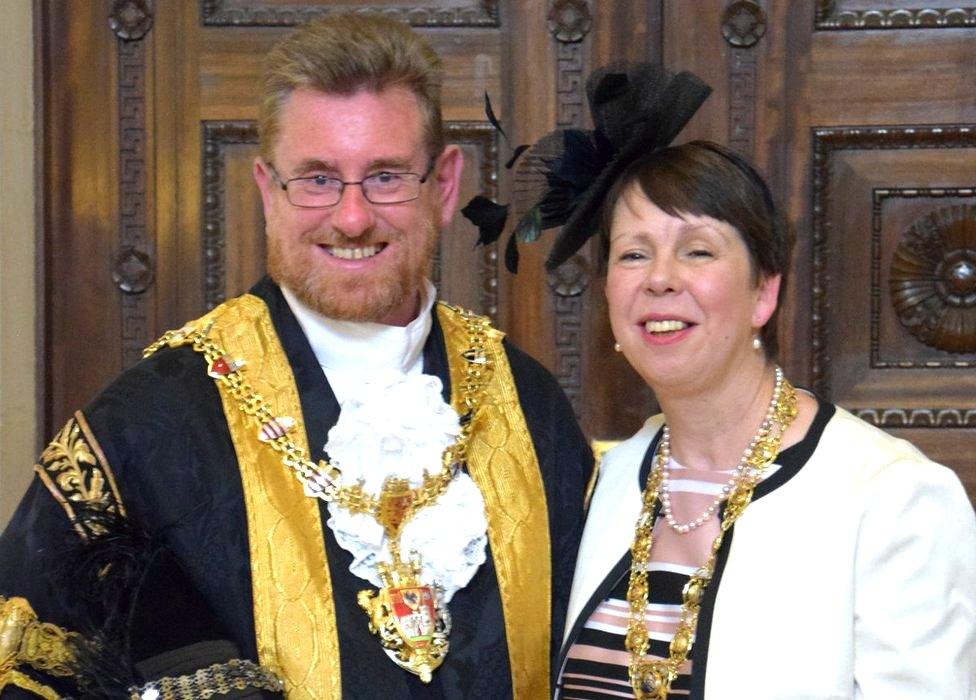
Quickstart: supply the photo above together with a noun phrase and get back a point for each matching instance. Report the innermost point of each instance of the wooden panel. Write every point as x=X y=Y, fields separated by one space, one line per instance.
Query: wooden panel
x=151 y=138
x=887 y=119
x=81 y=205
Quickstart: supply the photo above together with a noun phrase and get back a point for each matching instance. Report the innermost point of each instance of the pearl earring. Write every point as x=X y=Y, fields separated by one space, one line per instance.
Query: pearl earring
x=616 y=347
x=756 y=343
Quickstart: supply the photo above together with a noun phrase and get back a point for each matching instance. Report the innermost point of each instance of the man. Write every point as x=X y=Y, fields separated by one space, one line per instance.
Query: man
x=331 y=481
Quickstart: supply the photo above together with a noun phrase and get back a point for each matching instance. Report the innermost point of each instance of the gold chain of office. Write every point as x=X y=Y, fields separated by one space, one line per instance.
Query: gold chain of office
x=323 y=480
x=651 y=679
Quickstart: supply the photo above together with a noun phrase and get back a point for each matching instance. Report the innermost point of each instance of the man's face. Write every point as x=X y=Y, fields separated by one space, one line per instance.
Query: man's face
x=355 y=260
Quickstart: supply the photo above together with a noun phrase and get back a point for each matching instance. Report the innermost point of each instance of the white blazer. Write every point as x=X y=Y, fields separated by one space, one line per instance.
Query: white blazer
x=855 y=578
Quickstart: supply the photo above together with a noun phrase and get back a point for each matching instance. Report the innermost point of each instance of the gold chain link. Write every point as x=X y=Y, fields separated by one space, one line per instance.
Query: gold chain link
x=651 y=679
x=323 y=479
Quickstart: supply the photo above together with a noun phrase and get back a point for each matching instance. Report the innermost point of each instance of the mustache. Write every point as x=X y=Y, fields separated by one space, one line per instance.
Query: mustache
x=340 y=240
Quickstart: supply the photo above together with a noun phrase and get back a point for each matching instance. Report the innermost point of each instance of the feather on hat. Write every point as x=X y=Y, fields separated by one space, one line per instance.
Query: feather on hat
x=637 y=108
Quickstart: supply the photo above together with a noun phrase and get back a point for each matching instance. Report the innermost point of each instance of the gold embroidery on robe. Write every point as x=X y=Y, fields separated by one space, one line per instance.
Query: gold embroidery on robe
x=293 y=607
x=25 y=641
x=503 y=463
x=294 y=616
x=75 y=471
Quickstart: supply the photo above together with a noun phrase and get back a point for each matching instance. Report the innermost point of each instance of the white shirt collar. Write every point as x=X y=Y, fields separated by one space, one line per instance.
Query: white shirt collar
x=362 y=345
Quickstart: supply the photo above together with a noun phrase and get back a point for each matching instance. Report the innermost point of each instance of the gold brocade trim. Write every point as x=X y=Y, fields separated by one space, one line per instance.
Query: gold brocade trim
x=294 y=615
x=25 y=641
x=503 y=463
x=75 y=471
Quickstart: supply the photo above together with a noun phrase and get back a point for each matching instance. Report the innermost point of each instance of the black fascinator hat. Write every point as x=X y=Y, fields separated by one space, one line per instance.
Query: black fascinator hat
x=637 y=108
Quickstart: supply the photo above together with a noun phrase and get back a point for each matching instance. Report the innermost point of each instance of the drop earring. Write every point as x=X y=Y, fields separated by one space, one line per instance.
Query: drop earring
x=616 y=347
x=756 y=343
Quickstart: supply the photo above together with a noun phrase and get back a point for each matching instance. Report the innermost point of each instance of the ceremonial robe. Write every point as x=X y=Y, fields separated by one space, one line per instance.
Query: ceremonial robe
x=167 y=467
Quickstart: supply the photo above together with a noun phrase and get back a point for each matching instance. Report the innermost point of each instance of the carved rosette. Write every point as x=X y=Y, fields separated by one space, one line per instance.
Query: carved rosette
x=571 y=278
x=933 y=279
x=743 y=23
x=131 y=19
x=132 y=271
x=569 y=20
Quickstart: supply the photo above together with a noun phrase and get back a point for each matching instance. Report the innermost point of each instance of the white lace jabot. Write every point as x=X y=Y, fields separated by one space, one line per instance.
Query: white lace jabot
x=394 y=422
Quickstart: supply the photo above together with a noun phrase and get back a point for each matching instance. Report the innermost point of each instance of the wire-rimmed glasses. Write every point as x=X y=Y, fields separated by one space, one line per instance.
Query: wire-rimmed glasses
x=321 y=191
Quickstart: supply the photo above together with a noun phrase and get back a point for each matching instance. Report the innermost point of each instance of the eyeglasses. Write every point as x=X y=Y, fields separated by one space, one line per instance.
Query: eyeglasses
x=321 y=191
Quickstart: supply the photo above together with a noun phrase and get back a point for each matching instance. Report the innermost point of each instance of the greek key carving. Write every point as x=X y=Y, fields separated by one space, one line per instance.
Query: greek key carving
x=569 y=85
x=569 y=309
x=133 y=234
x=742 y=100
x=569 y=338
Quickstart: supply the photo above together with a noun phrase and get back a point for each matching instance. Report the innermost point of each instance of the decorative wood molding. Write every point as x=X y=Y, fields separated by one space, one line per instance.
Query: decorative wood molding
x=826 y=142
x=569 y=21
x=485 y=138
x=569 y=85
x=131 y=20
x=742 y=101
x=218 y=13
x=571 y=278
x=135 y=243
x=932 y=277
x=569 y=308
x=918 y=417
x=217 y=135
x=829 y=17
x=743 y=23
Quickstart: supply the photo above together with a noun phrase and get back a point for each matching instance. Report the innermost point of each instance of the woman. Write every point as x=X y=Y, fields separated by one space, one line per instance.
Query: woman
x=752 y=540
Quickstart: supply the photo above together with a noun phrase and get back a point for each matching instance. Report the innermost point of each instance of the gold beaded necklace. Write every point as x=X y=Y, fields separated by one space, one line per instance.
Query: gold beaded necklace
x=651 y=679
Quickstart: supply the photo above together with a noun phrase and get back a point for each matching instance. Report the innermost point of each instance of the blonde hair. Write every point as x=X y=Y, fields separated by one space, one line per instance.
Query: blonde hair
x=344 y=53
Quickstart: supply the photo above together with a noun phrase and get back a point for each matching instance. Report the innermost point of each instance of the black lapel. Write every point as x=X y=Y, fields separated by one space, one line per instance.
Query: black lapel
x=435 y=356
x=620 y=569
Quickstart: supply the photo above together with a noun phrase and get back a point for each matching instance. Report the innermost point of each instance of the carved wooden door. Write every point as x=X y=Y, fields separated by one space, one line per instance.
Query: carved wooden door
x=861 y=112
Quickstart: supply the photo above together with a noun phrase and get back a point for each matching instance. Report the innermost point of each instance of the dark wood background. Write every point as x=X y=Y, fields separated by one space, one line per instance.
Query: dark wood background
x=861 y=113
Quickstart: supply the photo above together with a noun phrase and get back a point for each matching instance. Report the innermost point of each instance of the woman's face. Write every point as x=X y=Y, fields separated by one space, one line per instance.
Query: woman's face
x=682 y=299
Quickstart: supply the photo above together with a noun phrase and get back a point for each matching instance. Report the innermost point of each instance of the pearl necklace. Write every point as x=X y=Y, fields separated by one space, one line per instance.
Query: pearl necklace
x=651 y=678
x=665 y=456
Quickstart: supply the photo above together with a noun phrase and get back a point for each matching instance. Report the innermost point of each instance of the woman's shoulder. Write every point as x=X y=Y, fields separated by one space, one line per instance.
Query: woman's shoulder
x=870 y=455
x=631 y=450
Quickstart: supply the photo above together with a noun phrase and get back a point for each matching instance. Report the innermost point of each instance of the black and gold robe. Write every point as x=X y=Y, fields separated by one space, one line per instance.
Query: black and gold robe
x=155 y=452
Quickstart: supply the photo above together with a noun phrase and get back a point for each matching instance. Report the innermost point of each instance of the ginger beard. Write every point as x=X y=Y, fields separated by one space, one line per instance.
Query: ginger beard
x=353 y=297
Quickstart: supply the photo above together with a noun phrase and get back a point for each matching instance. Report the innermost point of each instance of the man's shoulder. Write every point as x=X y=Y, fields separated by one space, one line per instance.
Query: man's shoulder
x=173 y=375
x=526 y=368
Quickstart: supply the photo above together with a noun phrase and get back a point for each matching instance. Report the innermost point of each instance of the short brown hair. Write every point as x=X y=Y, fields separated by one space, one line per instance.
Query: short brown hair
x=702 y=178
x=343 y=53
